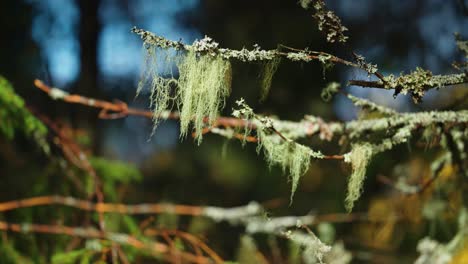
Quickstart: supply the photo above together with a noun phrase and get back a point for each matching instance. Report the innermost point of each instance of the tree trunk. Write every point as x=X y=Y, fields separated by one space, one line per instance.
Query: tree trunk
x=87 y=85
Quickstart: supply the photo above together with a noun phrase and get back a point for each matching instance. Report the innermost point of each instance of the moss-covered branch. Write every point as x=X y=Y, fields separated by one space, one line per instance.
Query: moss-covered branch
x=416 y=83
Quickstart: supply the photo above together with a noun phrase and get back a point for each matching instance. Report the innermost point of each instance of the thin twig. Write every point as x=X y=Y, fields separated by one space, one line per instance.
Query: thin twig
x=156 y=248
x=102 y=207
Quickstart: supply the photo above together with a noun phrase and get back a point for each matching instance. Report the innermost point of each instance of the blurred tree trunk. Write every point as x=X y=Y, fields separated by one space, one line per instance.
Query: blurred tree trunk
x=89 y=31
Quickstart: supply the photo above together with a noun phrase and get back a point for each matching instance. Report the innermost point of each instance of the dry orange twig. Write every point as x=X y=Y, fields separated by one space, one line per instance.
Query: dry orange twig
x=156 y=248
x=120 y=109
x=153 y=208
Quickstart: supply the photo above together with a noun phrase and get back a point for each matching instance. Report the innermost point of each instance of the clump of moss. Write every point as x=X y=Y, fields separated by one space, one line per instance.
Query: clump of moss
x=204 y=82
x=267 y=73
x=414 y=83
x=359 y=157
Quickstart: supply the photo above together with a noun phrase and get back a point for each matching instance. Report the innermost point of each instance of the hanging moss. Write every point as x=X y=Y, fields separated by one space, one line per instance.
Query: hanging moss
x=268 y=71
x=289 y=155
x=204 y=82
x=359 y=157
x=246 y=113
x=158 y=76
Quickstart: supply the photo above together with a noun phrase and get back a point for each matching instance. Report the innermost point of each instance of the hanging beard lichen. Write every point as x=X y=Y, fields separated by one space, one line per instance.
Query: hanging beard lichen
x=289 y=155
x=204 y=82
x=359 y=157
x=267 y=73
x=159 y=77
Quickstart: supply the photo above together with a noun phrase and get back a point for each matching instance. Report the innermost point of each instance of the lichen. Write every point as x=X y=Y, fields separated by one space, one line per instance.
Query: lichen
x=371 y=106
x=292 y=157
x=199 y=92
x=204 y=82
x=419 y=81
x=245 y=113
x=313 y=250
x=462 y=44
x=363 y=64
x=329 y=91
x=329 y=23
x=299 y=56
x=359 y=157
x=305 y=3
x=267 y=73
x=327 y=64
x=432 y=252
x=158 y=76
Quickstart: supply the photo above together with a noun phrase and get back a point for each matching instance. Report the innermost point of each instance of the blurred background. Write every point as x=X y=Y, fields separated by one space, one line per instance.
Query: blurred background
x=86 y=47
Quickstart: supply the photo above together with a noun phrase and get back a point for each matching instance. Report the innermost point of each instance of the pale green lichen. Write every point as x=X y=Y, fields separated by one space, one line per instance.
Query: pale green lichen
x=371 y=106
x=338 y=254
x=327 y=64
x=419 y=81
x=267 y=73
x=289 y=155
x=329 y=91
x=299 y=56
x=359 y=157
x=313 y=250
x=305 y=3
x=462 y=44
x=245 y=113
x=157 y=74
x=363 y=64
x=329 y=23
x=204 y=82
x=279 y=150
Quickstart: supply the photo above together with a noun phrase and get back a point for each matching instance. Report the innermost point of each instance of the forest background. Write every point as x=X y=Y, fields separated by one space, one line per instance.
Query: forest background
x=86 y=48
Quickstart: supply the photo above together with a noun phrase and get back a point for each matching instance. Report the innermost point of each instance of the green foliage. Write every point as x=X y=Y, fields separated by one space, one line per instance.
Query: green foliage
x=359 y=157
x=70 y=257
x=294 y=256
x=9 y=255
x=326 y=232
x=247 y=251
x=15 y=117
x=113 y=173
